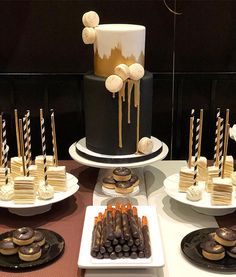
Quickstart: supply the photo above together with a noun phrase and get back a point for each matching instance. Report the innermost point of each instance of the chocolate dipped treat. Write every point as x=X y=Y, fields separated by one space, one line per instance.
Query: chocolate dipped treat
x=8 y=247
x=109 y=182
x=212 y=250
x=23 y=236
x=39 y=237
x=225 y=236
x=30 y=252
x=231 y=251
x=134 y=180
x=124 y=187
x=122 y=174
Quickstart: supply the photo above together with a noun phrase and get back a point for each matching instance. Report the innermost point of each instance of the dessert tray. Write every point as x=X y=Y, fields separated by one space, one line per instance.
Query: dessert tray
x=41 y=206
x=108 y=161
x=190 y=246
x=51 y=250
x=204 y=205
x=85 y=260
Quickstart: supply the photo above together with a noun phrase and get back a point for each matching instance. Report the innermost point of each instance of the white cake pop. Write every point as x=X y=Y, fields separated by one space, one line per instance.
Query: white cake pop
x=145 y=145
x=136 y=71
x=122 y=70
x=114 y=83
x=88 y=35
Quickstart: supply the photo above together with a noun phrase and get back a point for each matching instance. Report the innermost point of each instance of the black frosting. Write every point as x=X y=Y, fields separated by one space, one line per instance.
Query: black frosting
x=101 y=116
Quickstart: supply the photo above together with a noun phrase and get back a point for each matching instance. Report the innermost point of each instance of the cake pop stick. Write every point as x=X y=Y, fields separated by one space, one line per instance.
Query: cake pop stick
x=200 y=134
x=54 y=139
x=4 y=138
x=26 y=149
x=1 y=145
x=226 y=139
x=28 y=130
x=221 y=146
x=216 y=136
x=17 y=133
x=43 y=141
x=196 y=150
x=22 y=145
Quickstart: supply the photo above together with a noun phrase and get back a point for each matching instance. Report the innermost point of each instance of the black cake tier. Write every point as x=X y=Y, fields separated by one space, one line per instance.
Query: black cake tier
x=101 y=116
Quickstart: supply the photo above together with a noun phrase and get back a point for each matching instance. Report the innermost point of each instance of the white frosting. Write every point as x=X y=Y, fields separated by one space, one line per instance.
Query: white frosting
x=194 y=193
x=130 y=38
x=222 y=181
x=45 y=191
x=187 y=170
x=7 y=192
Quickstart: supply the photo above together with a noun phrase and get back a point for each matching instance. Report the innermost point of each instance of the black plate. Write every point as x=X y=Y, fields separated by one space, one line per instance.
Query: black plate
x=53 y=247
x=190 y=246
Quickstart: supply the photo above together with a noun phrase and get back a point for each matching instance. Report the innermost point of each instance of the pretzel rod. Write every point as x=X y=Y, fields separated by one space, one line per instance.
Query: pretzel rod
x=17 y=134
x=22 y=146
x=190 y=145
x=226 y=139
x=200 y=133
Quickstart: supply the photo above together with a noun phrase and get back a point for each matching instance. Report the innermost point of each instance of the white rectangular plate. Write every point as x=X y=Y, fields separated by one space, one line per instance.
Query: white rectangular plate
x=85 y=260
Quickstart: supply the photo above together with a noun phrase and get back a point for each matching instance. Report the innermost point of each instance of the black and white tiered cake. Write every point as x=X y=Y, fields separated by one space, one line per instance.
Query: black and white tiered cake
x=117 y=95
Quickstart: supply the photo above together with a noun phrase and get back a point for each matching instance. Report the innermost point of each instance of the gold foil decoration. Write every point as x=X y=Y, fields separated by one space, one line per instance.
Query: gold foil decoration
x=104 y=66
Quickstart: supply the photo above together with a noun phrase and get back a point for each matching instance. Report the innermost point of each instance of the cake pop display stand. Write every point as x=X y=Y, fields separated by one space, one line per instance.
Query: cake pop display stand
x=41 y=206
x=103 y=196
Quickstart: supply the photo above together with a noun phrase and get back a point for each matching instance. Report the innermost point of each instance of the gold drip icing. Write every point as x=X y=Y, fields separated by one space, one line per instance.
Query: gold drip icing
x=104 y=66
x=136 y=85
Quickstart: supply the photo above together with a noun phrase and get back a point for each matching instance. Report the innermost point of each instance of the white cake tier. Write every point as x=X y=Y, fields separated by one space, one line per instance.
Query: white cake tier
x=116 y=44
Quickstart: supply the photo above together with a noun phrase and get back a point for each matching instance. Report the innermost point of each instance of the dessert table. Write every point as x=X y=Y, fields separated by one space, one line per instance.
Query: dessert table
x=66 y=218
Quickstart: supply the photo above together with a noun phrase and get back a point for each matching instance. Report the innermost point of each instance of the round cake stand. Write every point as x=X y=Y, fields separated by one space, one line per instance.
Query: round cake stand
x=100 y=197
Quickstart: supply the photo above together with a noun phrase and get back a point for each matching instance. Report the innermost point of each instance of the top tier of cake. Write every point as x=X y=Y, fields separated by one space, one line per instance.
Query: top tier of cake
x=118 y=44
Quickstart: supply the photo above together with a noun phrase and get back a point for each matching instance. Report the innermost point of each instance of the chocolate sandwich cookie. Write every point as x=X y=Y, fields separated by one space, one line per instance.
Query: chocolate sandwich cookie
x=8 y=247
x=124 y=187
x=122 y=174
x=225 y=236
x=134 y=180
x=231 y=251
x=109 y=182
x=212 y=250
x=23 y=236
x=30 y=252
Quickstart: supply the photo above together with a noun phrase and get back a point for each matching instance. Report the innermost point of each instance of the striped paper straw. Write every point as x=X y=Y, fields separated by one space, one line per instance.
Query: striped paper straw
x=216 y=135
x=54 y=139
x=28 y=129
x=4 y=139
x=221 y=146
x=1 y=146
x=26 y=150
x=193 y=118
x=196 y=150
x=43 y=140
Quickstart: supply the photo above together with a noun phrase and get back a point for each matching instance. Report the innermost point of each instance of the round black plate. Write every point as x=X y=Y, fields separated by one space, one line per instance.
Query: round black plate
x=53 y=247
x=190 y=246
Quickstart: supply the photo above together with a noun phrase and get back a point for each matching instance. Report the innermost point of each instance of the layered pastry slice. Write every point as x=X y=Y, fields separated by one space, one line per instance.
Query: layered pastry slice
x=229 y=166
x=202 y=174
x=24 y=190
x=213 y=172
x=16 y=165
x=40 y=164
x=57 y=177
x=222 y=190
x=186 y=178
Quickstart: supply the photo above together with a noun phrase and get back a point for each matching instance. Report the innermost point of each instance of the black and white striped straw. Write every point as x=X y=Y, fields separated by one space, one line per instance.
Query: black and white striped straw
x=221 y=146
x=43 y=140
x=196 y=150
x=28 y=129
x=216 y=135
x=193 y=116
x=26 y=150
x=54 y=139
x=4 y=139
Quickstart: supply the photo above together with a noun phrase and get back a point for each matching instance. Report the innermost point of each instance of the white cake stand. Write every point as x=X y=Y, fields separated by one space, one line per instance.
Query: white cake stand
x=41 y=206
x=100 y=195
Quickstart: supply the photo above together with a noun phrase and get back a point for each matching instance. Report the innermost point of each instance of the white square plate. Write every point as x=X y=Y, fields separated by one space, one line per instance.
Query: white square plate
x=85 y=260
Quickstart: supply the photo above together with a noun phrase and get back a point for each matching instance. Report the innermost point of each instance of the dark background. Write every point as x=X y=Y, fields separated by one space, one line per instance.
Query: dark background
x=43 y=58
